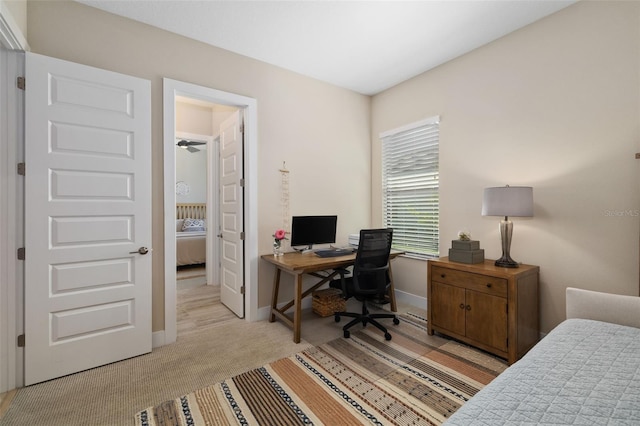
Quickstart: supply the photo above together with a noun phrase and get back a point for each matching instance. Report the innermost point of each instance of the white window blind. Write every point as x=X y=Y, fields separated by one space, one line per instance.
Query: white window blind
x=410 y=187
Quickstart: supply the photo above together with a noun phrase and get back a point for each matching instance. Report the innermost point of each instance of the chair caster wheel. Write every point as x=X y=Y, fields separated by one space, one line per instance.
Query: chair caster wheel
x=387 y=336
x=396 y=321
x=337 y=318
x=346 y=334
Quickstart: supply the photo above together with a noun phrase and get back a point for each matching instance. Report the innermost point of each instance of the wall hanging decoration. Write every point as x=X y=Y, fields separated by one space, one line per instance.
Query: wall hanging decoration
x=182 y=188
x=284 y=196
x=280 y=234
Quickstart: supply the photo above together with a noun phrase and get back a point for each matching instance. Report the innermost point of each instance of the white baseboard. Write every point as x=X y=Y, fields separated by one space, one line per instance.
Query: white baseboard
x=411 y=299
x=263 y=313
x=157 y=339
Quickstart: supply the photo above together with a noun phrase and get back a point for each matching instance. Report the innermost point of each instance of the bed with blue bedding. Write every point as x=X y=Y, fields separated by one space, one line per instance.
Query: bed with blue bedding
x=584 y=372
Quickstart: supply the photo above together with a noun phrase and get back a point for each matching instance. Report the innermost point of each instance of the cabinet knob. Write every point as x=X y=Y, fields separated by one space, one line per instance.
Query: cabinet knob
x=462 y=306
x=442 y=275
x=488 y=285
x=468 y=307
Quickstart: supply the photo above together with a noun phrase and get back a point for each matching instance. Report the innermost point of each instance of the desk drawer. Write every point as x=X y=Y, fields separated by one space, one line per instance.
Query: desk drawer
x=477 y=282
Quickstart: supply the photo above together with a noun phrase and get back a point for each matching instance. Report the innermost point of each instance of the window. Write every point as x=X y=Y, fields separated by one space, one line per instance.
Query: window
x=410 y=183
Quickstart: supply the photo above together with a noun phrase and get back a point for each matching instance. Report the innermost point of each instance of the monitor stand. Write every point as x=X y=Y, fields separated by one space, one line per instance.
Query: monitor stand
x=308 y=249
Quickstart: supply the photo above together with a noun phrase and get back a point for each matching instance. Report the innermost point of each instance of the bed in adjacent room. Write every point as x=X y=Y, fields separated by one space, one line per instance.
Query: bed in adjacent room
x=191 y=234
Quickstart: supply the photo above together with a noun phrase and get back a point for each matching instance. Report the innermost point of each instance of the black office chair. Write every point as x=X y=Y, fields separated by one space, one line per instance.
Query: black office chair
x=370 y=280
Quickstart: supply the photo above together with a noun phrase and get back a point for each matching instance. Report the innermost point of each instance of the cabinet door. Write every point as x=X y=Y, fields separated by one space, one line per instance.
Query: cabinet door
x=448 y=307
x=487 y=319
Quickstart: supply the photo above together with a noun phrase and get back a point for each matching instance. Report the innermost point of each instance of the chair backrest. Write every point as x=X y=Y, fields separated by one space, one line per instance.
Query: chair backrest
x=370 y=270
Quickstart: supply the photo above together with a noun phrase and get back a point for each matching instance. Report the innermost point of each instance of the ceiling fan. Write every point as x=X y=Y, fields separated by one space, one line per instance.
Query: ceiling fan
x=189 y=145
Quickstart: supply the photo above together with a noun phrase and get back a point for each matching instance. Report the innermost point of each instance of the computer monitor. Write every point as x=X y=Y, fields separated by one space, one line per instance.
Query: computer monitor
x=310 y=230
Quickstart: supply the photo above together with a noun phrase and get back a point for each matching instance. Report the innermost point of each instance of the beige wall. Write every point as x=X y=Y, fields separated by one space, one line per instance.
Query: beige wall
x=191 y=167
x=321 y=131
x=196 y=119
x=554 y=106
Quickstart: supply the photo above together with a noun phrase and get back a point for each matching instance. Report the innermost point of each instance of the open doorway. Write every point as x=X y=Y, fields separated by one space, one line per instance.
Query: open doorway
x=197 y=168
x=245 y=181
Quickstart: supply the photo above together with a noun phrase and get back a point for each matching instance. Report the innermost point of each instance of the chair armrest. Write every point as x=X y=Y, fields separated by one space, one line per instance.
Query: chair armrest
x=613 y=308
x=368 y=270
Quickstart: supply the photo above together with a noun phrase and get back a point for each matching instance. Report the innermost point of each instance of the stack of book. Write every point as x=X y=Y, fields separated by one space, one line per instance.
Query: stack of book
x=466 y=251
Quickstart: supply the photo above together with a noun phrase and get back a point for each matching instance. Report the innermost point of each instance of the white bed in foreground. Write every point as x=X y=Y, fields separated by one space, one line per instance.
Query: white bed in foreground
x=584 y=372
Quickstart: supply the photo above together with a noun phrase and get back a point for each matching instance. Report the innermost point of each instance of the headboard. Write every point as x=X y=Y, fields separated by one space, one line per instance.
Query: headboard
x=191 y=210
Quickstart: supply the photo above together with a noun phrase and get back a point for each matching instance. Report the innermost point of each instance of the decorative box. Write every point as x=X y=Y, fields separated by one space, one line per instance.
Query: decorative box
x=326 y=302
x=465 y=245
x=466 y=256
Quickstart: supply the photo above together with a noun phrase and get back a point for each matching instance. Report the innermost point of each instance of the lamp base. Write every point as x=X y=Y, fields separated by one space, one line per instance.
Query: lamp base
x=506 y=231
x=507 y=262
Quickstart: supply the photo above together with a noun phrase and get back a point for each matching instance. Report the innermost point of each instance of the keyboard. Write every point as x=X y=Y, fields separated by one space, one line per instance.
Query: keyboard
x=333 y=252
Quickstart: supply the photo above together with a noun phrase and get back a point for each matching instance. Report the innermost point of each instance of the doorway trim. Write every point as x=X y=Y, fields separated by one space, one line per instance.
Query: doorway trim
x=11 y=220
x=12 y=45
x=171 y=89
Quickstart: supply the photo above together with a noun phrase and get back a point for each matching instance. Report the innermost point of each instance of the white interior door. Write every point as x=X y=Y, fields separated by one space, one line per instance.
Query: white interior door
x=231 y=216
x=88 y=217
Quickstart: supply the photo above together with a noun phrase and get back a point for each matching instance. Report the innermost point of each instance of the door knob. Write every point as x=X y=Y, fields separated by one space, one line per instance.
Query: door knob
x=141 y=250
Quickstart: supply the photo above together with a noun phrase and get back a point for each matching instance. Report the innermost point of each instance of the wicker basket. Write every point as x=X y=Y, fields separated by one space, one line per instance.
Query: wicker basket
x=326 y=302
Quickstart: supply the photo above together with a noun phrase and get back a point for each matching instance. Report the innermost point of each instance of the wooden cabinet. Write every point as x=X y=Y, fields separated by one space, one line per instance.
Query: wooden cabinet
x=492 y=308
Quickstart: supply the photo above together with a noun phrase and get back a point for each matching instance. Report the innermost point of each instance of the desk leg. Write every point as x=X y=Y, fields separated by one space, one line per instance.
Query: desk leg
x=392 y=292
x=297 y=309
x=274 y=296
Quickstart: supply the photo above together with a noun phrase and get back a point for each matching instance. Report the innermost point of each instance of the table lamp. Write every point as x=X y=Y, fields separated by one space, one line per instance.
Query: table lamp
x=507 y=201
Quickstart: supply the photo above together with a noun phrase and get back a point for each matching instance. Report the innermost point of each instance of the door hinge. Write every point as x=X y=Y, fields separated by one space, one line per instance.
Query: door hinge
x=507 y=342
x=21 y=341
x=242 y=290
x=22 y=169
x=21 y=253
x=507 y=307
x=242 y=236
x=21 y=83
x=241 y=127
x=242 y=183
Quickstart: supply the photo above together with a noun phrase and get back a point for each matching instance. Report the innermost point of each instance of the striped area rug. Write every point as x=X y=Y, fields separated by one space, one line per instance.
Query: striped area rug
x=414 y=379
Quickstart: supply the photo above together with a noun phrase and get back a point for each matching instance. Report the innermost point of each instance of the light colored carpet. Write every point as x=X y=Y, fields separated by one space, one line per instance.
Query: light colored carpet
x=413 y=379
x=206 y=353
x=111 y=395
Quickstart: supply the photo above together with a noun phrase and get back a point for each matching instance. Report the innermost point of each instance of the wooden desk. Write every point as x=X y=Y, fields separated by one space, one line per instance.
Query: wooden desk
x=298 y=265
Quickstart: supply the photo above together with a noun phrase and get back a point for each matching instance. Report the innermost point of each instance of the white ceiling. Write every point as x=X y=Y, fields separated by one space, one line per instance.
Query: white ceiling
x=365 y=46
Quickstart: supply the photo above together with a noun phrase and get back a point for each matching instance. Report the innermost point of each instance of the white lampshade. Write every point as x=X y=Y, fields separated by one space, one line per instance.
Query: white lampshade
x=508 y=201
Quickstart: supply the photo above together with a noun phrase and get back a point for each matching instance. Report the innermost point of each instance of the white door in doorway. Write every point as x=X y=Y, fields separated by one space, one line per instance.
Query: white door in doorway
x=231 y=215
x=88 y=217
